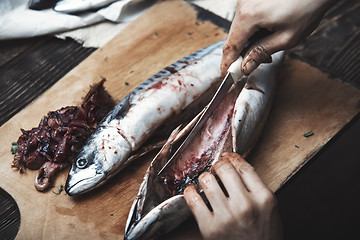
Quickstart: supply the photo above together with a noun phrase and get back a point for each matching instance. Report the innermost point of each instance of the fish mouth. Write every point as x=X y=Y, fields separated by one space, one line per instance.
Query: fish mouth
x=83 y=185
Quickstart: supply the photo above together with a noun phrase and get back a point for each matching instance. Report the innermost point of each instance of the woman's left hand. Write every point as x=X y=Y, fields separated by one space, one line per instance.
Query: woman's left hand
x=248 y=210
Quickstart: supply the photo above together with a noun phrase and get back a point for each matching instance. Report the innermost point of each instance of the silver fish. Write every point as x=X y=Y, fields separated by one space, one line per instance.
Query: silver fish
x=140 y=113
x=234 y=126
x=74 y=6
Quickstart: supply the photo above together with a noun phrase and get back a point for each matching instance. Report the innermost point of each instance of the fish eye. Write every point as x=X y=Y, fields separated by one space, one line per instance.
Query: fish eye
x=81 y=163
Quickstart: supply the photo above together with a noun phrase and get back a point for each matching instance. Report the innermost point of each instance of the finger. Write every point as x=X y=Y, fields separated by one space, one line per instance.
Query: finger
x=196 y=203
x=261 y=51
x=251 y=179
x=240 y=32
x=231 y=180
x=212 y=190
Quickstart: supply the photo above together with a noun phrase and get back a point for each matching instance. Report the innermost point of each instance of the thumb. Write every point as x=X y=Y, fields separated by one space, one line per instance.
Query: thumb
x=261 y=51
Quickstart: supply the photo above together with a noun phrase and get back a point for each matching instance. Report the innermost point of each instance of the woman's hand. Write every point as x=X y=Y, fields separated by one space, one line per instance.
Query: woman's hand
x=289 y=21
x=246 y=211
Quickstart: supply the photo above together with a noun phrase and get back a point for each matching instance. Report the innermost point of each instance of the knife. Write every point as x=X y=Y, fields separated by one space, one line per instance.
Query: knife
x=233 y=76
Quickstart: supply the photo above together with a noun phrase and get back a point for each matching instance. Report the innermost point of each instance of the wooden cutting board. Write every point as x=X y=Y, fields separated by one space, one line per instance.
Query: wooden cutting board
x=306 y=100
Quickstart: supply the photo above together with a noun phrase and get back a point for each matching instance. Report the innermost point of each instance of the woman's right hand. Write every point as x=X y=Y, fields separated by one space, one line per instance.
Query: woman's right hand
x=289 y=21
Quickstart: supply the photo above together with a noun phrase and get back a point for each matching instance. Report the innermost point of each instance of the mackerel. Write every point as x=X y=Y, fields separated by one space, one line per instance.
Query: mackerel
x=140 y=114
x=235 y=126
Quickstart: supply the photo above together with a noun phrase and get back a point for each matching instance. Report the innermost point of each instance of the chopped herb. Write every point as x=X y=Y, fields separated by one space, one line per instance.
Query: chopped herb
x=126 y=83
x=206 y=36
x=297 y=146
x=189 y=33
x=59 y=189
x=308 y=134
x=14 y=147
x=156 y=34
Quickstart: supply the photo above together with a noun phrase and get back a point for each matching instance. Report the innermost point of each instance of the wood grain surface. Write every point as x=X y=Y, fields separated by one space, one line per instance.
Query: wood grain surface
x=30 y=68
x=335 y=45
x=9 y=216
x=306 y=100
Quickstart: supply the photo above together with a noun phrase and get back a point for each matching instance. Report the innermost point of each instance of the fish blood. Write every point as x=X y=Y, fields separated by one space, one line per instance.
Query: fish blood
x=203 y=150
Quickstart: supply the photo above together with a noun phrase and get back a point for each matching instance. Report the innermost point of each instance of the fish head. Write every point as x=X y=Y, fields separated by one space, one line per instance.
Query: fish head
x=86 y=171
x=101 y=157
x=163 y=218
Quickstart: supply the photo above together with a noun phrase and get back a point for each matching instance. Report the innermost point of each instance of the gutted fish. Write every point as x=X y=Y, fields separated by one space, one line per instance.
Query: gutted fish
x=140 y=114
x=234 y=126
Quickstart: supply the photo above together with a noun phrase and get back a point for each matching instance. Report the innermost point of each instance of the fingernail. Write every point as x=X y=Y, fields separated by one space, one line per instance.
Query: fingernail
x=249 y=67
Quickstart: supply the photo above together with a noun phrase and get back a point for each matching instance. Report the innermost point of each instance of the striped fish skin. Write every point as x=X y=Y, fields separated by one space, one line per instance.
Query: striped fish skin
x=138 y=115
x=160 y=206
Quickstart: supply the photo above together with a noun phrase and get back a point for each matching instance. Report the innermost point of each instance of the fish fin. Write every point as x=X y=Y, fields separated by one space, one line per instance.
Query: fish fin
x=120 y=109
x=146 y=149
x=165 y=151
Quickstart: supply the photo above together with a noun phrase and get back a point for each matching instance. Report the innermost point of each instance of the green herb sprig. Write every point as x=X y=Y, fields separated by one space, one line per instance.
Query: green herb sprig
x=14 y=147
x=59 y=189
x=308 y=134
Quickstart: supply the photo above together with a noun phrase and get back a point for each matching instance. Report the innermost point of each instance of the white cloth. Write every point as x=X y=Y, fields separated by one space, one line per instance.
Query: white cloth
x=18 y=21
x=93 y=29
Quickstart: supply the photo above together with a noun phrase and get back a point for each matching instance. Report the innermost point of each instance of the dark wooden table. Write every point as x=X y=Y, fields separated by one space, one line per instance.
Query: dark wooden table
x=320 y=202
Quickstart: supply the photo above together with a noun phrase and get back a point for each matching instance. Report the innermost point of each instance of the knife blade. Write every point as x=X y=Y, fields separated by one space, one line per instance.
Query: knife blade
x=234 y=76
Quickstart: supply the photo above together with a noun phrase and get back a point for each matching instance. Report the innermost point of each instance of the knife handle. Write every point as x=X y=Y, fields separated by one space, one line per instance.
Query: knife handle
x=235 y=67
x=235 y=70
